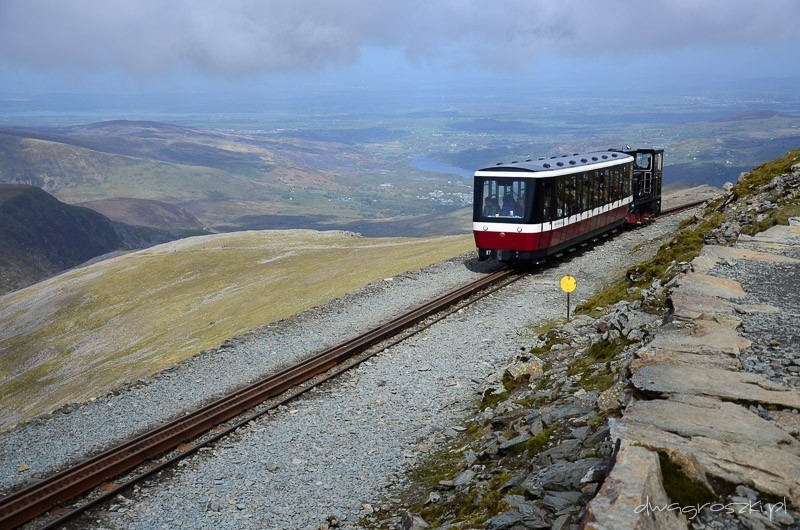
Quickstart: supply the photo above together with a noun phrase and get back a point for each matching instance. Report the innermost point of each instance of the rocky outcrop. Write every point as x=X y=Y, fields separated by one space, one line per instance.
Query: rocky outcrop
x=718 y=390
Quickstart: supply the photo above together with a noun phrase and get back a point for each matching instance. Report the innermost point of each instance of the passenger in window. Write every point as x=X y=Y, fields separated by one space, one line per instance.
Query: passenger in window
x=490 y=207
x=520 y=211
x=508 y=205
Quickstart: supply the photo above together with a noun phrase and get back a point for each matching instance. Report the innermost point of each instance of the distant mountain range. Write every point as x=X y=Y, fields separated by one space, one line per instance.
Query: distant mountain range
x=212 y=178
x=756 y=115
x=41 y=236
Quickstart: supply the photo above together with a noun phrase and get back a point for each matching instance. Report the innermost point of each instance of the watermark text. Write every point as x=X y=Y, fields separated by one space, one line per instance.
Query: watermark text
x=692 y=511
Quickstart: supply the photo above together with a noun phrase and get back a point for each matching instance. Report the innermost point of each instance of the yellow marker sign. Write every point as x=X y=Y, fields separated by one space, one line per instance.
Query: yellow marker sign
x=568 y=284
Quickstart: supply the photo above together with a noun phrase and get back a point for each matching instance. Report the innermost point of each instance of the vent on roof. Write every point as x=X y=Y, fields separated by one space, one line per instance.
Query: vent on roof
x=541 y=158
x=584 y=160
x=605 y=157
x=527 y=160
x=499 y=164
x=594 y=158
x=514 y=162
x=546 y=165
x=614 y=155
x=560 y=164
x=572 y=162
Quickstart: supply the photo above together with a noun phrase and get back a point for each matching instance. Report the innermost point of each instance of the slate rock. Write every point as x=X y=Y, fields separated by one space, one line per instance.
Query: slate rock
x=504 y=520
x=558 y=500
x=523 y=514
x=514 y=442
x=463 y=478
x=566 y=450
x=561 y=476
x=413 y=521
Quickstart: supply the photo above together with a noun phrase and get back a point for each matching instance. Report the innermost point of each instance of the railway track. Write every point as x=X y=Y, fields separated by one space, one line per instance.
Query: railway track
x=232 y=410
x=162 y=447
x=682 y=207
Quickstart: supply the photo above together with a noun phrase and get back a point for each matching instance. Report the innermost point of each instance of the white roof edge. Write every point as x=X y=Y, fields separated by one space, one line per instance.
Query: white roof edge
x=526 y=173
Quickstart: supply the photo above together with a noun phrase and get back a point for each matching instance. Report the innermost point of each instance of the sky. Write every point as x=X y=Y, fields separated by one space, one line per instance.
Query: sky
x=244 y=46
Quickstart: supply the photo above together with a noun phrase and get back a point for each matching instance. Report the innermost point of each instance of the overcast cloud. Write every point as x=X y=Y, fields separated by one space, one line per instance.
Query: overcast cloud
x=234 y=38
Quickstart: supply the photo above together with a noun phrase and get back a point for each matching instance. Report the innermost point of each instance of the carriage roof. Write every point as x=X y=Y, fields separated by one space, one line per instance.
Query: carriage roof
x=556 y=165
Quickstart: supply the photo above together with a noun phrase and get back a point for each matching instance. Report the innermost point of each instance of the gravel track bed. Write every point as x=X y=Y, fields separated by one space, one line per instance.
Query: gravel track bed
x=88 y=428
x=344 y=444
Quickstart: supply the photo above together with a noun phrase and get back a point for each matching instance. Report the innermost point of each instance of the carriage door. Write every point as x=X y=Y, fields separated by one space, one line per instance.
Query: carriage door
x=644 y=164
x=658 y=173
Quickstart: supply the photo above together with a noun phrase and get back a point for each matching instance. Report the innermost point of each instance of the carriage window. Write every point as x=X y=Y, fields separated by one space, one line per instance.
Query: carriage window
x=627 y=179
x=644 y=160
x=593 y=202
x=505 y=197
x=602 y=188
x=585 y=192
x=547 y=200
x=612 y=184
x=571 y=200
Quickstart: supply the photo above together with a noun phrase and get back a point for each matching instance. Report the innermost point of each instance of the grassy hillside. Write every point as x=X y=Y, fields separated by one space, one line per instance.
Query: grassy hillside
x=91 y=329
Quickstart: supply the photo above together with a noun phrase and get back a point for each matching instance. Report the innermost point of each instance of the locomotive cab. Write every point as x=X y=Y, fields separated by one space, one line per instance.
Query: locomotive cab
x=648 y=169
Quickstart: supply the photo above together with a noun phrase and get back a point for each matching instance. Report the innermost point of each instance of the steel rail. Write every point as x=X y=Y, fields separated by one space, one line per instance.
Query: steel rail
x=30 y=502
x=676 y=209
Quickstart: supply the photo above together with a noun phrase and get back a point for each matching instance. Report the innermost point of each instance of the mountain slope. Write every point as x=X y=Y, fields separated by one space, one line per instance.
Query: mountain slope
x=91 y=329
x=144 y=212
x=41 y=236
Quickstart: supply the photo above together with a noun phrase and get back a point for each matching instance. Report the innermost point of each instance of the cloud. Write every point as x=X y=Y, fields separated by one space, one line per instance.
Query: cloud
x=235 y=38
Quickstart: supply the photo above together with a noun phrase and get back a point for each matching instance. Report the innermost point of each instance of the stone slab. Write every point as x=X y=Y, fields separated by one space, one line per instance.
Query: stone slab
x=634 y=481
x=692 y=306
x=701 y=295
x=711 y=336
x=770 y=470
x=780 y=234
x=748 y=309
x=708 y=285
x=671 y=379
x=651 y=355
x=711 y=255
x=692 y=416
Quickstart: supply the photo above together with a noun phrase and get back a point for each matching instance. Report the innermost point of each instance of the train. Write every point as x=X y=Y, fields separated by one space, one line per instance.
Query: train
x=526 y=211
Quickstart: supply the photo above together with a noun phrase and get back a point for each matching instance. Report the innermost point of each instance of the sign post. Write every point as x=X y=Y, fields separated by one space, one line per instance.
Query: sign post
x=568 y=284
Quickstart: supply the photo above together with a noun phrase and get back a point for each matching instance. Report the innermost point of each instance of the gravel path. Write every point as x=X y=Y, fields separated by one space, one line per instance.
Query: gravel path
x=338 y=448
x=775 y=335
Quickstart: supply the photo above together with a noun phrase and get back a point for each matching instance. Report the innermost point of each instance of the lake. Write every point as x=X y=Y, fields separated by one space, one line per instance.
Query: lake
x=429 y=164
